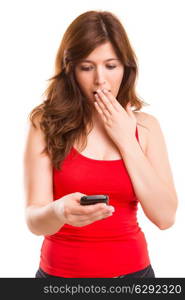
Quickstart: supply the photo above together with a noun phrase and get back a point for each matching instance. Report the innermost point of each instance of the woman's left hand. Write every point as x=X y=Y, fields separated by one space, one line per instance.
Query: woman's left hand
x=120 y=123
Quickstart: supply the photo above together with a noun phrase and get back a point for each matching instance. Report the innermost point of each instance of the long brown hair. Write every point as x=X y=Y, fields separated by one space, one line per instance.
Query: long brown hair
x=65 y=113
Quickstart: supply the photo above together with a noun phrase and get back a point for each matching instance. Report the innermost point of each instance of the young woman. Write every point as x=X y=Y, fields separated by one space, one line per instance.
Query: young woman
x=84 y=139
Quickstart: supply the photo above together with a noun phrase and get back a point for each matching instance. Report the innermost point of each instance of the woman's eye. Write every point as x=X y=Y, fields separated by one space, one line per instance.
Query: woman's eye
x=89 y=68
x=85 y=68
x=111 y=67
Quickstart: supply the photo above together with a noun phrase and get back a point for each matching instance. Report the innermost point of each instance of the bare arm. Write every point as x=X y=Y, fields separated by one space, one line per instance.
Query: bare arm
x=151 y=175
x=40 y=216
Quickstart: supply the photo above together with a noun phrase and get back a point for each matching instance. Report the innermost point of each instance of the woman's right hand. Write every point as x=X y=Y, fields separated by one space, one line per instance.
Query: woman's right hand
x=69 y=210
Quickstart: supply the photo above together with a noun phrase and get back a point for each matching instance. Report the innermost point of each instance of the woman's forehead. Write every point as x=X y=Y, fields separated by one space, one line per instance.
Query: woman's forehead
x=104 y=50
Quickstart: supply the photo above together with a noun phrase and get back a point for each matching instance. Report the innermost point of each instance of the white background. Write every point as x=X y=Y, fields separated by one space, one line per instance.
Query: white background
x=30 y=35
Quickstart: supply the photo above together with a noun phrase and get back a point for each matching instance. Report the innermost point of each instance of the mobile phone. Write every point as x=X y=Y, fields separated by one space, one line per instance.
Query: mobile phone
x=93 y=199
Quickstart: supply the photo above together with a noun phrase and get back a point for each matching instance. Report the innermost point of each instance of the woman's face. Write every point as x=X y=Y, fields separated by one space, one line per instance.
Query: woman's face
x=100 y=69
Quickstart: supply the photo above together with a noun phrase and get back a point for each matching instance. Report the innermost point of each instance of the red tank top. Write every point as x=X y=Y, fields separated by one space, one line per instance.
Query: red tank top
x=106 y=248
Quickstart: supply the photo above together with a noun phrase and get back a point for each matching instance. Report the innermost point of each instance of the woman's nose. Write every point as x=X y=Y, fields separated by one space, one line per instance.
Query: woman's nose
x=100 y=79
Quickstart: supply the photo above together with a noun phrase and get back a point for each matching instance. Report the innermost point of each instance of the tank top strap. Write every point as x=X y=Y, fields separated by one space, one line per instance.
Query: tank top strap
x=136 y=134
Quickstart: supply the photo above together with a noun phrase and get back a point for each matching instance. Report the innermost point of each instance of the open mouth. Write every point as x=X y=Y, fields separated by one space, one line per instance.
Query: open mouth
x=94 y=92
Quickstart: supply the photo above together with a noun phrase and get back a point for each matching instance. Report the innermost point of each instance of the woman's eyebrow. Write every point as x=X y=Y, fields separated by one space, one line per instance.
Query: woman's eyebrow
x=88 y=60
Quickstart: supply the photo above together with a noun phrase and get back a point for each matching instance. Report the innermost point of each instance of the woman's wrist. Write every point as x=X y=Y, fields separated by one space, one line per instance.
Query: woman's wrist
x=58 y=210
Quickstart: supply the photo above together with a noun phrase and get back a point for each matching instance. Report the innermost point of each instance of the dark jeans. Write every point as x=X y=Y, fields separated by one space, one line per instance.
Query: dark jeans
x=148 y=272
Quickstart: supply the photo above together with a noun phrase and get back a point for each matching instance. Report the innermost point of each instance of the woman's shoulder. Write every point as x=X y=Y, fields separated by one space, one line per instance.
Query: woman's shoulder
x=144 y=117
x=148 y=128
x=146 y=120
